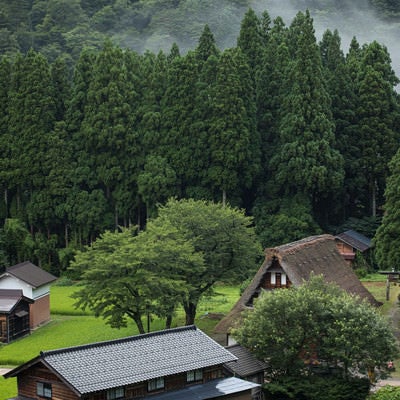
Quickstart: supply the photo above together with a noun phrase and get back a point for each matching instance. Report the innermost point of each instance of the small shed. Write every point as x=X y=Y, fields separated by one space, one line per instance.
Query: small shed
x=14 y=314
x=35 y=285
x=349 y=242
x=246 y=366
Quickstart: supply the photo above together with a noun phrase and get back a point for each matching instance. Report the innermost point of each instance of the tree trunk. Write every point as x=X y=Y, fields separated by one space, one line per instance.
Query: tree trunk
x=224 y=197
x=66 y=235
x=139 y=323
x=6 y=201
x=373 y=199
x=190 y=310
x=168 y=321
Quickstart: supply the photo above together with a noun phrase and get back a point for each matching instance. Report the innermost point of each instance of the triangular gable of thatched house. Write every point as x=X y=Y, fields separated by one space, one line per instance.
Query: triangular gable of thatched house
x=294 y=263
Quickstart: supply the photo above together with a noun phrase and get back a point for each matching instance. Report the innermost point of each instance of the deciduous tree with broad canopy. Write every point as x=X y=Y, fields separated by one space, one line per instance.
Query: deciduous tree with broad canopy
x=183 y=252
x=314 y=327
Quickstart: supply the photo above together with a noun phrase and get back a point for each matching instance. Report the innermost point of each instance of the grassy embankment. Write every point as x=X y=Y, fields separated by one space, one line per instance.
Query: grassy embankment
x=70 y=327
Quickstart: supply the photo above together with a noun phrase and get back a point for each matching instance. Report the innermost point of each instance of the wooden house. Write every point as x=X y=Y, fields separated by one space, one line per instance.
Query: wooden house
x=35 y=285
x=174 y=364
x=14 y=315
x=349 y=242
x=292 y=264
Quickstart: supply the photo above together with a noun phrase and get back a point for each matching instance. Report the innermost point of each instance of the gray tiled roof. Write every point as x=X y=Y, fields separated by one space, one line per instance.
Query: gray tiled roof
x=9 y=298
x=31 y=274
x=355 y=239
x=105 y=365
x=209 y=390
x=246 y=365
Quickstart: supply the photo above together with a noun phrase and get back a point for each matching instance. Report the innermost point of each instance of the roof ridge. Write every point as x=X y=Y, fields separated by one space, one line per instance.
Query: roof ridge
x=121 y=340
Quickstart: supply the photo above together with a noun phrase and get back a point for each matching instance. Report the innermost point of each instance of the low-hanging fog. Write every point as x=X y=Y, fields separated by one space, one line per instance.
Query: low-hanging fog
x=352 y=18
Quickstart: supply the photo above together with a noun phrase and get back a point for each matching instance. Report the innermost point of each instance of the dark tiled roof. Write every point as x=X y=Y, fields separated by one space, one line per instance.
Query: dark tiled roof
x=9 y=298
x=355 y=240
x=105 y=365
x=316 y=255
x=31 y=274
x=210 y=390
x=246 y=364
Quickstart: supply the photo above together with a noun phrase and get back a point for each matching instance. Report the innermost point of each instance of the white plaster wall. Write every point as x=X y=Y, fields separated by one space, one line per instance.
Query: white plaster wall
x=10 y=282
x=231 y=340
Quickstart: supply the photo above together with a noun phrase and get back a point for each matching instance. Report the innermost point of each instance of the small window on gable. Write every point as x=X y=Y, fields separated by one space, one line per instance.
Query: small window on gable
x=155 y=384
x=115 y=393
x=194 y=376
x=43 y=390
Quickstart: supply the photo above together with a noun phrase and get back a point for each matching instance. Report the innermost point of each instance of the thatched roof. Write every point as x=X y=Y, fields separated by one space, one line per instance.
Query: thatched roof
x=316 y=255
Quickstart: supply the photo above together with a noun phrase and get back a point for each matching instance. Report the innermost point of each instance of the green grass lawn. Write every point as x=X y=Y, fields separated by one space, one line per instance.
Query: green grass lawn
x=70 y=327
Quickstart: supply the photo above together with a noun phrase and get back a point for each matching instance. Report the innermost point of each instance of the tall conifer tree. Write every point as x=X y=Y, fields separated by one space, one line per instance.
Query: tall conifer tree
x=378 y=116
x=387 y=238
x=306 y=161
x=5 y=142
x=232 y=130
x=342 y=93
x=31 y=120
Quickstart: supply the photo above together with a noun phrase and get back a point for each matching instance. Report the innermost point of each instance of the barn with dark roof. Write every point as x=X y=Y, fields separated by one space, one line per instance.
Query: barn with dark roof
x=35 y=285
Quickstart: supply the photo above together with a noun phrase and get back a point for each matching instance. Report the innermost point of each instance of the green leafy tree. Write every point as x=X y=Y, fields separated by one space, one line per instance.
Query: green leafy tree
x=130 y=276
x=341 y=89
x=156 y=183
x=284 y=220
x=183 y=252
x=207 y=55
x=31 y=120
x=224 y=237
x=109 y=130
x=305 y=160
x=155 y=170
x=378 y=115
x=177 y=110
x=387 y=243
x=60 y=74
x=386 y=393
x=16 y=242
x=294 y=330
x=251 y=40
x=206 y=46
x=232 y=133
x=5 y=140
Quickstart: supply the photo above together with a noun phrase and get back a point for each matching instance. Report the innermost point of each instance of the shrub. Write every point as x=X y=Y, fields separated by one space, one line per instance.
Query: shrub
x=386 y=393
x=317 y=388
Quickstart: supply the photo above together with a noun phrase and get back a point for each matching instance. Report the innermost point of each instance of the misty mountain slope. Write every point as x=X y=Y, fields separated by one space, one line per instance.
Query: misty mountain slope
x=55 y=27
x=352 y=18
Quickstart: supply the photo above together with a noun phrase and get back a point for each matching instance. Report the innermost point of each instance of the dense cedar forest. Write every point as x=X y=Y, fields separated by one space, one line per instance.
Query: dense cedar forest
x=96 y=131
